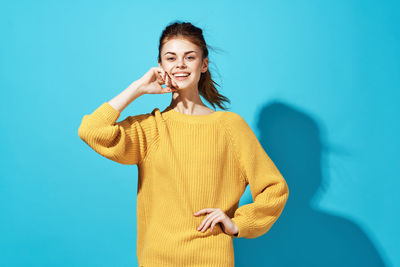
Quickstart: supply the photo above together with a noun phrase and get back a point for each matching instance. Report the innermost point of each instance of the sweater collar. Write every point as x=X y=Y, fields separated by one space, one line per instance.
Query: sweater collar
x=171 y=113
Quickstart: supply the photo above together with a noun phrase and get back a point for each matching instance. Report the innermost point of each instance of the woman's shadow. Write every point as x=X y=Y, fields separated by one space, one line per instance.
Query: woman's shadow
x=303 y=235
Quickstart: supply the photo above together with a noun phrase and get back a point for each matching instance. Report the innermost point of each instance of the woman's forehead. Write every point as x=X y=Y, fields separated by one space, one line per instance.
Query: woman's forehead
x=179 y=46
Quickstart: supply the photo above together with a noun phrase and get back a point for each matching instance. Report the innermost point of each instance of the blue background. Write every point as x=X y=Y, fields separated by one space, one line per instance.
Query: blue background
x=318 y=82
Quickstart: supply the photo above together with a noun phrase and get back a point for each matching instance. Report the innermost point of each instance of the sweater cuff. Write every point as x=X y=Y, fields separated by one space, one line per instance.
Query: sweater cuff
x=241 y=225
x=106 y=113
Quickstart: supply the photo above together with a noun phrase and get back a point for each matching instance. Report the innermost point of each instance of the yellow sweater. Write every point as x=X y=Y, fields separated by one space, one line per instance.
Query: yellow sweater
x=187 y=163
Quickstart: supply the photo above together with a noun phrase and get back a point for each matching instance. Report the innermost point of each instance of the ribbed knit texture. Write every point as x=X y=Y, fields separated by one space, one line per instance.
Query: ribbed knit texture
x=187 y=163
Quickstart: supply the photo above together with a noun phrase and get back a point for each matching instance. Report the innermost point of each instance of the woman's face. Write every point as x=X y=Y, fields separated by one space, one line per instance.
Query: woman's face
x=180 y=55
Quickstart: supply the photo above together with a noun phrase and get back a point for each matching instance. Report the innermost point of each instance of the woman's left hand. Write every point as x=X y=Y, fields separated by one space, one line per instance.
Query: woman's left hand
x=216 y=216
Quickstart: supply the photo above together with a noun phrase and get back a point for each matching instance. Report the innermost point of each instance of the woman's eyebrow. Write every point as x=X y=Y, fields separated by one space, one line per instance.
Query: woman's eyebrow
x=187 y=52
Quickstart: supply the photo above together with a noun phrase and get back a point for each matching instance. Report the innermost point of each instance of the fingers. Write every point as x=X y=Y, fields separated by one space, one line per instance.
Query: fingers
x=211 y=219
x=213 y=225
x=213 y=214
x=159 y=77
x=170 y=82
x=169 y=89
x=175 y=84
x=167 y=80
x=203 y=211
x=164 y=78
x=162 y=73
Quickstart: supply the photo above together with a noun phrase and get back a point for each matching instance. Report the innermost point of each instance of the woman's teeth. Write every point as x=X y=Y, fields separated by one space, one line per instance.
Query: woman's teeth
x=181 y=76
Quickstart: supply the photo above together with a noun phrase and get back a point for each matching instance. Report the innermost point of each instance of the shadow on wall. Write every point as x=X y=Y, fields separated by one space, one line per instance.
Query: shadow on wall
x=303 y=235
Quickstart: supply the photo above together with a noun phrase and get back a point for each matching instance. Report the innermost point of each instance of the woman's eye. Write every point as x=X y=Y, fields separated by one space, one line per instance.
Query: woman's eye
x=171 y=58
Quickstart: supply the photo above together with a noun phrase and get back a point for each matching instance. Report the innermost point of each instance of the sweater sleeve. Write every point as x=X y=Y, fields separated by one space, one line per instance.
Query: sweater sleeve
x=125 y=142
x=268 y=187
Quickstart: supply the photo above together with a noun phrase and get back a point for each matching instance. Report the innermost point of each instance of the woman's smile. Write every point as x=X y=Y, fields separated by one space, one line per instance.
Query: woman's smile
x=181 y=76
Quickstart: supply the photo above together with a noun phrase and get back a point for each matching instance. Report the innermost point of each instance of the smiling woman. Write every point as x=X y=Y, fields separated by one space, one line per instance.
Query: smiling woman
x=183 y=50
x=194 y=163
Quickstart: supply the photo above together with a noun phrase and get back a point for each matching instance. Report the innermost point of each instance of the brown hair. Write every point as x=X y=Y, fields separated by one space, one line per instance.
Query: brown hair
x=194 y=34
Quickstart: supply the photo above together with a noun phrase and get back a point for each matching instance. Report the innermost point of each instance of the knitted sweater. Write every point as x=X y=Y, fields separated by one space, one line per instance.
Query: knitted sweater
x=187 y=163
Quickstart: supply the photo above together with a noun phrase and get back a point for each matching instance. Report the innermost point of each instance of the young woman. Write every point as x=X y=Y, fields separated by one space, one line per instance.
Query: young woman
x=194 y=163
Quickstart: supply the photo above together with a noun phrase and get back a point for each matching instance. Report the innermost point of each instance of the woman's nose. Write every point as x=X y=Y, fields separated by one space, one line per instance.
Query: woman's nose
x=181 y=63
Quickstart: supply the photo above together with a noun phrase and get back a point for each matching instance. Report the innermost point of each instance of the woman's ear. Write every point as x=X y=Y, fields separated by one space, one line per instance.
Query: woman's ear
x=205 y=65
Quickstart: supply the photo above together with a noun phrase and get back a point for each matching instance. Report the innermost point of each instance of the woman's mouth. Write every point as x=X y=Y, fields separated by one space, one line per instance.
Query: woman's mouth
x=181 y=76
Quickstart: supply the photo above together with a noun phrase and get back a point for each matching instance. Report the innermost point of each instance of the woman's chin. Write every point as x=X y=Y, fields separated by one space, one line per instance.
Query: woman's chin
x=184 y=85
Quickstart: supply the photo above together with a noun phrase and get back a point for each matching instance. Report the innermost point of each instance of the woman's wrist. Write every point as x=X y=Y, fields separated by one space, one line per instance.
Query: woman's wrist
x=123 y=99
x=136 y=88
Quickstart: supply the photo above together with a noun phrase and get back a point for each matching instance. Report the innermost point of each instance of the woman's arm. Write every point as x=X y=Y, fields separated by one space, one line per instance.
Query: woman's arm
x=123 y=99
x=268 y=188
x=127 y=141
x=124 y=142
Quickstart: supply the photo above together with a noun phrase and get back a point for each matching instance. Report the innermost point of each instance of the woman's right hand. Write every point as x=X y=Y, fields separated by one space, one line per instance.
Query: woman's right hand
x=151 y=82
